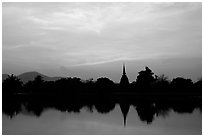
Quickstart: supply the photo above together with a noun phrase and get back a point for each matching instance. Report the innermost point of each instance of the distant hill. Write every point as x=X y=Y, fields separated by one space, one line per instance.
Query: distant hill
x=29 y=76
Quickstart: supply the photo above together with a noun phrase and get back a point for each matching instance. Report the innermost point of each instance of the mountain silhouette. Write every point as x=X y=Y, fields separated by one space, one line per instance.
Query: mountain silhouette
x=29 y=76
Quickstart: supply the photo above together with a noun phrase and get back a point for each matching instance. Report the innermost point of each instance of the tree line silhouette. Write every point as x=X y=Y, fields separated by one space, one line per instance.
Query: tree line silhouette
x=149 y=94
x=146 y=84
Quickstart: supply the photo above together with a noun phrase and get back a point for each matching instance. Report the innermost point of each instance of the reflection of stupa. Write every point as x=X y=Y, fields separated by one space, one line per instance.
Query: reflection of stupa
x=124 y=79
x=124 y=108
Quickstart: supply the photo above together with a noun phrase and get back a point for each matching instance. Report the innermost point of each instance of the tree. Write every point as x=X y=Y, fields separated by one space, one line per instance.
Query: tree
x=161 y=82
x=145 y=78
x=12 y=85
x=198 y=87
x=104 y=84
x=180 y=84
x=35 y=86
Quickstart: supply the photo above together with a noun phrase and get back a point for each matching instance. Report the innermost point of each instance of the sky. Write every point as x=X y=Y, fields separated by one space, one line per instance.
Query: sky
x=91 y=40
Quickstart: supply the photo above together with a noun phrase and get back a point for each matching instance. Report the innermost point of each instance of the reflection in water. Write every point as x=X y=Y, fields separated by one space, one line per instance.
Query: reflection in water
x=53 y=121
x=125 y=109
x=147 y=107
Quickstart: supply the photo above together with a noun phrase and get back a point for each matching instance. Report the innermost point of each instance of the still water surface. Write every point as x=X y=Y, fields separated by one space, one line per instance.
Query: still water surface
x=55 y=122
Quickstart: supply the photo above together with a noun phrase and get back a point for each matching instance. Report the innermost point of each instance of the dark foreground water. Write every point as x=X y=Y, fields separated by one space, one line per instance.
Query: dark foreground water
x=55 y=122
x=101 y=114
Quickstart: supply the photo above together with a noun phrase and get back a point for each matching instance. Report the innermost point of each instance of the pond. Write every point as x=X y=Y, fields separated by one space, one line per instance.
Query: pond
x=56 y=122
x=113 y=119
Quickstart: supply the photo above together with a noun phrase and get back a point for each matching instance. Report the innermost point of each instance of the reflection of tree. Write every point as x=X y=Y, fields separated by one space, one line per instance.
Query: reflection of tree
x=146 y=111
x=147 y=108
x=186 y=105
x=11 y=105
x=104 y=107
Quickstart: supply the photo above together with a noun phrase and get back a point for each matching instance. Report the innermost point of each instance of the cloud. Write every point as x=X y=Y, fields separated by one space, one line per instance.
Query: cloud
x=79 y=19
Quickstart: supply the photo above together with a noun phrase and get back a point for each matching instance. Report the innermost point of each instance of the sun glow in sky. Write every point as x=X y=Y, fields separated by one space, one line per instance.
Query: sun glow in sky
x=50 y=36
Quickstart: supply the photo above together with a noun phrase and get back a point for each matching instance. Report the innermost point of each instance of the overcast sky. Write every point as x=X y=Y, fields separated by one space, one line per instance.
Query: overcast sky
x=94 y=39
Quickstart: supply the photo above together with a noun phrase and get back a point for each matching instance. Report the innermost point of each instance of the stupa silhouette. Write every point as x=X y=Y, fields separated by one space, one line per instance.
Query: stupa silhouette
x=124 y=82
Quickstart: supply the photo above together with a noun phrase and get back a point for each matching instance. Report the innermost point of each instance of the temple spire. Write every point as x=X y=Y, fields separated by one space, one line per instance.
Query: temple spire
x=124 y=73
x=124 y=82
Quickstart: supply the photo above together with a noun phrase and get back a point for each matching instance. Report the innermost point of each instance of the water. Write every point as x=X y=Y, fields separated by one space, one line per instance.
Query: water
x=53 y=121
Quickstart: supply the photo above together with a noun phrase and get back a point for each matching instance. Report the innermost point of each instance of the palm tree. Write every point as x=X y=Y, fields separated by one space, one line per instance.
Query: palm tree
x=12 y=85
